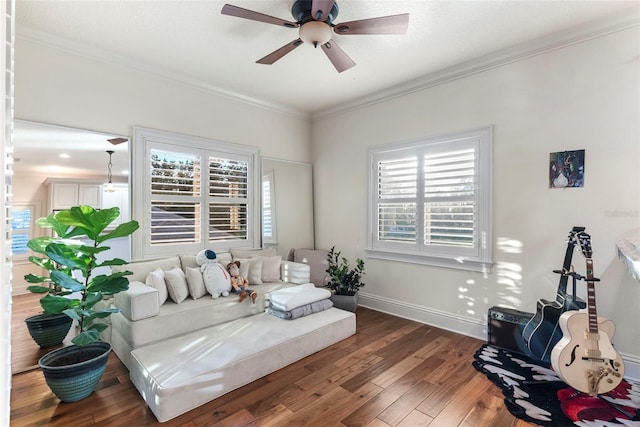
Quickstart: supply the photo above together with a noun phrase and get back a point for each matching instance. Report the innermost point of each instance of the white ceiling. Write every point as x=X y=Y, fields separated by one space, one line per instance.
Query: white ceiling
x=194 y=42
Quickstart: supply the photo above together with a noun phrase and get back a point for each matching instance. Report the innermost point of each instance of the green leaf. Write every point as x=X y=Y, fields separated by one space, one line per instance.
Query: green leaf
x=114 y=261
x=79 y=216
x=66 y=281
x=74 y=313
x=32 y=278
x=39 y=244
x=41 y=262
x=98 y=326
x=86 y=337
x=56 y=305
x=65 y=255
x=121 y=230
x=38 y=289
x=101 y=219
x=109 y=285
x=51 y=222
x=92 y=299
x=101 y=314
x=91 y=250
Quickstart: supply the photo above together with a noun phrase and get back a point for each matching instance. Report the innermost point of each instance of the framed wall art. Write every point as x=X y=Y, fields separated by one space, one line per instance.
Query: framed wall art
x=566 y=169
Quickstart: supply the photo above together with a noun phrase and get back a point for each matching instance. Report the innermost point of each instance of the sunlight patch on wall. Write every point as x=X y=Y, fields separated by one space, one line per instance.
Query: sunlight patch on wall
x=509 y=275
x=509 y=246
x=463 y=295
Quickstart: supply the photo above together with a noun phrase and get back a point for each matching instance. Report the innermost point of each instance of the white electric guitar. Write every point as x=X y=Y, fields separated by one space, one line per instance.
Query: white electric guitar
x=584 y=357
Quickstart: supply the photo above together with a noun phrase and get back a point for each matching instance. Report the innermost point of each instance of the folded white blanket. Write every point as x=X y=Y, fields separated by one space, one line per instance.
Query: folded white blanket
x=289 y=298
x=303 y=310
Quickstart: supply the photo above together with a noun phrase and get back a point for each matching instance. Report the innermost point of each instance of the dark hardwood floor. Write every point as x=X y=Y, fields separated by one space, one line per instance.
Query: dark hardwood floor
x=393 y=372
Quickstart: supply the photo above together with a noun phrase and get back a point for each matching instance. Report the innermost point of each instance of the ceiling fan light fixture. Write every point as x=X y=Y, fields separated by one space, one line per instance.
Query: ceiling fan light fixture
x=315 y=33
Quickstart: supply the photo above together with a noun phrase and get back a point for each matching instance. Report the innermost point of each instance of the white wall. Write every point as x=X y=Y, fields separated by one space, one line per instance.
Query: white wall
x=58 y=87
x=583 y=96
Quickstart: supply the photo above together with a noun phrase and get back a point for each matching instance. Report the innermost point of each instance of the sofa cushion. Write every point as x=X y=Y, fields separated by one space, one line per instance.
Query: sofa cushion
x=251 y=268
x=252 y=253
x=271 y=268
x=155 y=279
x=317 y=260
x=177 y=319
x=195 y=282
x=176 y=284
x=141 y=269
x=139 y=302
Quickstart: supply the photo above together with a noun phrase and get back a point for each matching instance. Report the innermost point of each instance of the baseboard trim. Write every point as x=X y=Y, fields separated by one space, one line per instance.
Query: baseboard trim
x=456 y=323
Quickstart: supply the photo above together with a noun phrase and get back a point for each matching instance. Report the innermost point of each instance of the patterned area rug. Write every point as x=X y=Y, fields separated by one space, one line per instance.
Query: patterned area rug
x=535 y=394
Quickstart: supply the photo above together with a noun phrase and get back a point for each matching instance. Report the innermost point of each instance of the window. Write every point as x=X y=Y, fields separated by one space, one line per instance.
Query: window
x=269 y=232
x=430 y=201
x=23 y=218
x=193 y=194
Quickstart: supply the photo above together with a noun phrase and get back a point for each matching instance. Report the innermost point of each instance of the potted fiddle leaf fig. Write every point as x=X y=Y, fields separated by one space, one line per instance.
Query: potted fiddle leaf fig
x=48 y=328
x=344 y=281
x=74 y=289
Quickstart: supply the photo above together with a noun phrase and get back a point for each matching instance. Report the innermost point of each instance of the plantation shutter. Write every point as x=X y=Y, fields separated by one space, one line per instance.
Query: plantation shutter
x=191 y=193
x=228 y=201
x=175 y=207
x=449 y=193
x=430 y=201
x=396 y=206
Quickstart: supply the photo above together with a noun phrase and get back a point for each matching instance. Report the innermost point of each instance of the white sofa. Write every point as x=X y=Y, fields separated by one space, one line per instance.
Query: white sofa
x=143 y=321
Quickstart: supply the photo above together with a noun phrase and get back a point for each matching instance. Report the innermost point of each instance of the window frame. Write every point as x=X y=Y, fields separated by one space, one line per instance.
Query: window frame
x=144 y=141
x=476 y=258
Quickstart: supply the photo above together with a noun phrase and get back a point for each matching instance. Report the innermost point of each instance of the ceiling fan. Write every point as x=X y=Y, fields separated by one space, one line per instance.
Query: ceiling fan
x=315 y=22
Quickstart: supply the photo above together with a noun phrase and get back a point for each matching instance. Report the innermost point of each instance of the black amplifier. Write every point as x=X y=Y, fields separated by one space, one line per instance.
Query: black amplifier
x=505 y=329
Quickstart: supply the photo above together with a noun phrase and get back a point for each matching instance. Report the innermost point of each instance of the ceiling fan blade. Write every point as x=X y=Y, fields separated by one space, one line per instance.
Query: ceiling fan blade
x=239 y=12
x=279 y=53
x=338 y=58
x=320 y=9
x=116 y=141
x=393 y=24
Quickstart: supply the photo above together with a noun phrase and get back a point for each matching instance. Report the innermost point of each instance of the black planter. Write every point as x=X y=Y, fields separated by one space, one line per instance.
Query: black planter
x=71 y=382
x=345 y=302
x=48 y=330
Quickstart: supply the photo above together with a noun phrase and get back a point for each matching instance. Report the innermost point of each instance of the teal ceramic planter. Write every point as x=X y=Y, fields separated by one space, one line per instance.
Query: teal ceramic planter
x=72 y=380
x=48 y=330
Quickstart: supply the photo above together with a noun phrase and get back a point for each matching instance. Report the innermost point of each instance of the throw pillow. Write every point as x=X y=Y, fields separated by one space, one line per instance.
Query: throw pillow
x=155 y=279
x=176 y=285
x=224 y=258
x=271 y=268
x=195 y=282
x=251 y=268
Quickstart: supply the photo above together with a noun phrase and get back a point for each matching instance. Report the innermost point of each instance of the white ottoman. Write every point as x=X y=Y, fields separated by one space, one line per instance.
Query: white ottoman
x=183 y=373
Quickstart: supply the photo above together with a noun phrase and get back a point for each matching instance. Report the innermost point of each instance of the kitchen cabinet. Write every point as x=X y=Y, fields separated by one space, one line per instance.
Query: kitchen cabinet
x=64 y=194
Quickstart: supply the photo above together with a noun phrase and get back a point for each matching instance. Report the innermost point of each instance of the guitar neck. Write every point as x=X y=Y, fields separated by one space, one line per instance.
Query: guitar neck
x=591 y=298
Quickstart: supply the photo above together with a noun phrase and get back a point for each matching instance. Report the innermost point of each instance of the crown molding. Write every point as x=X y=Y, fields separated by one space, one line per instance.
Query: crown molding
x=628 y=19
x=109 y=57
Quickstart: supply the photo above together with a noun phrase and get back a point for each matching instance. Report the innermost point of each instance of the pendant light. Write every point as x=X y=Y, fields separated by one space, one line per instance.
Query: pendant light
x=109 y=188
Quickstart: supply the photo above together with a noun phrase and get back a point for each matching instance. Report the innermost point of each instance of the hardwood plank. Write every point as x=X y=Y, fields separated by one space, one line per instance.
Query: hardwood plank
x=417 y=418
x=393 y=372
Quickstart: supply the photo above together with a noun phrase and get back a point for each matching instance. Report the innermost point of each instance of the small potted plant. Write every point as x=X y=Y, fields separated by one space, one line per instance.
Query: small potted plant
x=343 y=281
x=70 y=257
